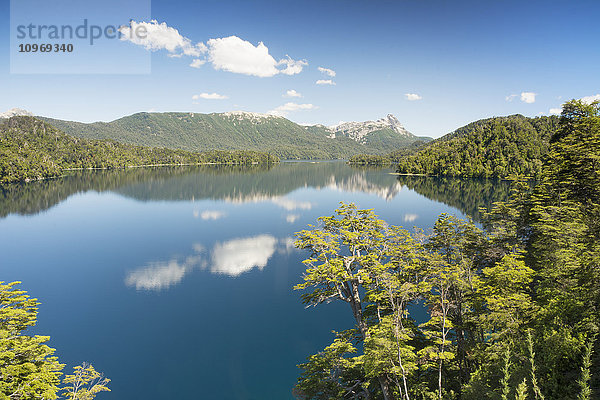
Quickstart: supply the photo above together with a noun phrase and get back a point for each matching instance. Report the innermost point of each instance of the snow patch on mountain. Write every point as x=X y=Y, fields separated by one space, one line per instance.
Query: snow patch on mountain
x=251 y=116
x=14 y=112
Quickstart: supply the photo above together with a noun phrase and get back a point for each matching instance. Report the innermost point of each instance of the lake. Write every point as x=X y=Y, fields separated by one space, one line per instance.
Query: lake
x=177 y=282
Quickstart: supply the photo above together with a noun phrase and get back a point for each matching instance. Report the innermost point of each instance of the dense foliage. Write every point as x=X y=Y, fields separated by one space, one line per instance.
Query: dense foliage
x=31 y=149
x=498 y=147
x=28 y=367
x=512 y=310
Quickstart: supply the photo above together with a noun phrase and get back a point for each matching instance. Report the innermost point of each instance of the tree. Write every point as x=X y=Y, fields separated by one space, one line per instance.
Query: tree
x=85 y=383
x=330 y=374
x=345 y=252
x=512 y=311
x=564 y=248
x=380 y=271
x=457 y=248
x=28 y=368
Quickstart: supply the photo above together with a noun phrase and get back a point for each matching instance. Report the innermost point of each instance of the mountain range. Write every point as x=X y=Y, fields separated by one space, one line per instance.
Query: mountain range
x=31 y=149
x=498 y=147
x=239 y=130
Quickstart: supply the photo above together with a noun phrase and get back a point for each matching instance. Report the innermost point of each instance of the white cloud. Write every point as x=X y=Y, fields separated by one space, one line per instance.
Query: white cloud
x=410 y=217
x=292 y=93
x=412 y=97
x=197 y=63
x=237 y=256
x=154 y=36
x=325 y=82
x=555 y=111
x=291 y=218
x=236 y=55
x=231 y=53
x=242 y=57
x=292 y=67
x=327 y=71
x=157 y=275
x=209 y=96
x=528 y=97
x=212 y=215
x=591 y=99
x=285 y=109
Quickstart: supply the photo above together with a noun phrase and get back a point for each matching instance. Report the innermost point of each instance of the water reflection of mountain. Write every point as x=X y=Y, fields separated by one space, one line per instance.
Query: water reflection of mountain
x=34 y=197
x=242 y=187
x=245 y=184
x=467 y=195
x=229 y=183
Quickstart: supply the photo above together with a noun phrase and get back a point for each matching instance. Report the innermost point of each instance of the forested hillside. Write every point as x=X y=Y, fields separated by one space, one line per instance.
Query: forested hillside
x=235 y=131
x=32 y=149
x=495 y=147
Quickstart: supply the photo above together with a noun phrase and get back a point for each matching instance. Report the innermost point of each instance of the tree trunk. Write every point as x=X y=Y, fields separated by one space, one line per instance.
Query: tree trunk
x=385 y=387
x=444 y=333
x=356 y=305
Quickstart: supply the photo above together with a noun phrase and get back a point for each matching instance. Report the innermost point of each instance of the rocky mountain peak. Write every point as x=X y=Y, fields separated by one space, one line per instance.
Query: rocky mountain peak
x=14 y=112
x=395 y=124
x=359 y=130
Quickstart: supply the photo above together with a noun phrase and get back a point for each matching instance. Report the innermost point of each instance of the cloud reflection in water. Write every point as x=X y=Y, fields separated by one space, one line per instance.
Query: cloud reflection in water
x=291 y=218
x=210 y=214
x=410 y=217
x=156 y=276
x=236 y=256
x=232 y=257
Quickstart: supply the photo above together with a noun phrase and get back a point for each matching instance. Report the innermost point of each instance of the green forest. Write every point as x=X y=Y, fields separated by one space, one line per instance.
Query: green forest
x=31 y=149
x=505 y=310
x=498 y=147
x=231 y=131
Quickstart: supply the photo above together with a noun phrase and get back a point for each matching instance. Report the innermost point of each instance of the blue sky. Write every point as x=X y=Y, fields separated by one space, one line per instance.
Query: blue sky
x=459 y=61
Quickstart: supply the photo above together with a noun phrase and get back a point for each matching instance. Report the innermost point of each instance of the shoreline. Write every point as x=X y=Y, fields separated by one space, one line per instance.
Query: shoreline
x=129 y=167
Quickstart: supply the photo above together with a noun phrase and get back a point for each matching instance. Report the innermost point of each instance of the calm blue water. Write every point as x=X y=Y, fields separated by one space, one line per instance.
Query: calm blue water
x=177 y=283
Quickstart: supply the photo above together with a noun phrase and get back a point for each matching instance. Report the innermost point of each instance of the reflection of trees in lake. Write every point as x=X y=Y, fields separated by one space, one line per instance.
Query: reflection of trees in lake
x=242 y=184
x=230 y=183
x=268 y=184
x=34 y=197
x=467 y=195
